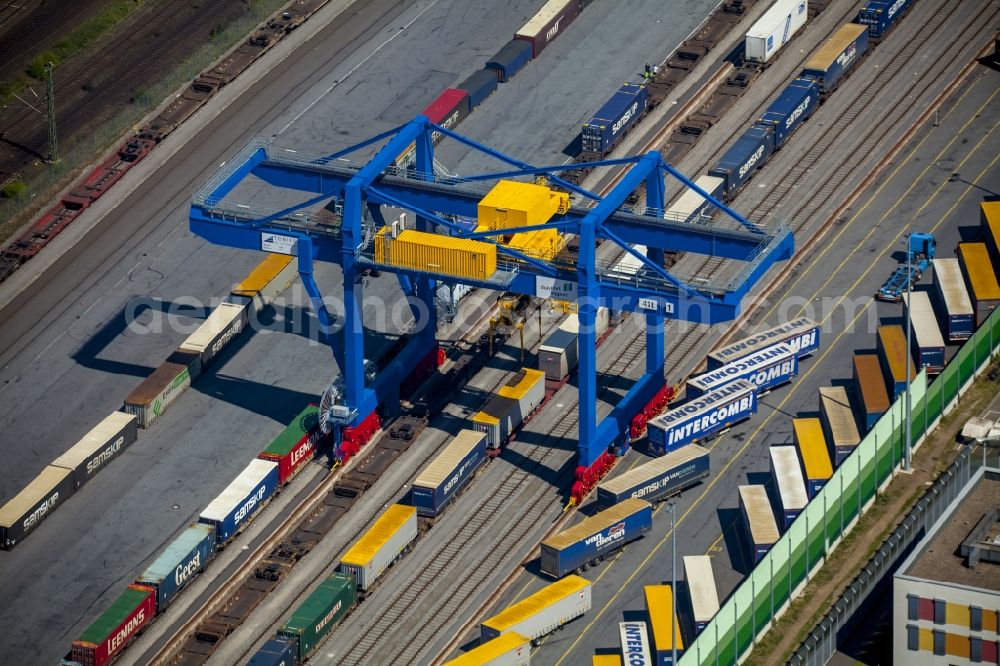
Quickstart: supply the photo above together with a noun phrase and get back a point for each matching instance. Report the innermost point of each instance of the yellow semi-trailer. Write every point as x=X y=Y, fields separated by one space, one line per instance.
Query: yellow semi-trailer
x=510 y=649
x=543 y=612
x=839 y=424
x=380 y=546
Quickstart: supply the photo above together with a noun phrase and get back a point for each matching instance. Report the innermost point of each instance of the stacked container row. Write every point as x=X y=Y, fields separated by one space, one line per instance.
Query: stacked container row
x=801 y=334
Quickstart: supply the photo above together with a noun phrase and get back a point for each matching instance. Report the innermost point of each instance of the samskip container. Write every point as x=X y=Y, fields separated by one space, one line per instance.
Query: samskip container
x=839 y=425
x=449 y=472
x=242 y=499
x=296 y=445
x=152 y=397
x=510 y=649
x=837 y=57
x=925 y=338
x=115 y=628
x=319 y=613
x=793 y=107
x=550 y=22
x=614 y=119
x=774 y=29
x=433 y=253
x=543 y=612
x=104 y=443
x=276 y=652
x=26 y=510
x=178 y=564
x=702 y=417
x=379 y=547
x=657 y=479
x=870 y=388
x=744 y=157
x=225 y=323
x=479 y=86
x=801 y=334
x=510 y=59
x=879 y=17
x=816 y=466
x=595 y=537
x=756 y=510
x=980 y=277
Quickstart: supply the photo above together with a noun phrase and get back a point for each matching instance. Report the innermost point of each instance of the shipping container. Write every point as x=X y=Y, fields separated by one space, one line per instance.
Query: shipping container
x=225 y=323
x=510 y=204
x=178 y=564
x=449 y=472
x=152 y=397
x=115 y=628
x=614 y=119
x=432 y=253
x=837 y=57
x=747 y=154
x=510 y=406
x=765 y=369
x=791 y=486
x=880 y=16
x=666 y=630
x=26 y=510
x=634 y=640
x=268 y=280
x=558 y=353
x=105 y=442
x=550 y=21
x=296 y=445
x=980 y=277
x=691 y=207
x=869 y=385
x=793 y=107
x=925 y=338
x=892 y=351
x=774 y=29
x=510 y=59
x=380 y=546
x=242 y=499
x=759 y=519
x=276 y=652
x=957 y=316
x=448 y=109
x=509 y=649
x=801 y=334
x=657 y=479
x=479 y=85
x=606 y=660
x=319 y=613
x=594 y=538
x=543 y=612
x=701 y=586
x=839 y=425
x=989 y=223
x=702 y=417
x=816 y=466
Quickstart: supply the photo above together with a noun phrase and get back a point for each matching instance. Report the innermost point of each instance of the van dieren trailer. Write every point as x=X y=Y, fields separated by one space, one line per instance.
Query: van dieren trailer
x=591 y=540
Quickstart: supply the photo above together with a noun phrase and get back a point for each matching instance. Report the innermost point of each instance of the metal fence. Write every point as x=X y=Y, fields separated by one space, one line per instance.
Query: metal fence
x=783 y=572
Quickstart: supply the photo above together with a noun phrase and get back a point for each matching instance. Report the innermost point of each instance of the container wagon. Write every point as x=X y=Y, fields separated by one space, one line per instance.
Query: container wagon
x=765 y=369
x=759 y=519
x=816 y=467
x=701 y=586
x=276 y=652
x=543 y=612
x=225 y=323
x=509 y=649
x=690 y=207
x=837 y=57
x=613 y=120
x=880 y=16
x=242 y=499
x=152 y=397
x=23 y=513
x=178 y=564
x=774 y=29
x=110 y=633
x=557 y=355
x=801 y=334
x=319 y=613
x=590 y=541
x=296 y=445
x=928 y=344
x=792 y=108
x=958 y=317
x=380 y=546
x=449 y=472
x=892 y=351
x=787 y=477
x=510 y=407
x=702 y=417
x=839 y=426
x=657 y=479
x=747 y=154
x=550 y=21
x=510 y=59
x=634 y=641
x=105 y=442
x=869 y=385
x=980 y=276
x=989 y=223
x=664 y=625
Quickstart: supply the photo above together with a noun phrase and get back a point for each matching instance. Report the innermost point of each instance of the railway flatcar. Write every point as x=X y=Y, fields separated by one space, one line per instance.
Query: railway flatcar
x=510 y=407
x=793 y=107
x=748 y=154
x=318 y=614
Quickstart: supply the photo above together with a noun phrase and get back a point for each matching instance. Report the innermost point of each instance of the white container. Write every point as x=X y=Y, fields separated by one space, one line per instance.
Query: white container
x=690 y=206
x=787 y=475
x=635 y=645
x=701 y=586
x=558 y=355
x=381 y=545
x=775 y=28
x=242 y=499
x=224 y=324
x=543 y=612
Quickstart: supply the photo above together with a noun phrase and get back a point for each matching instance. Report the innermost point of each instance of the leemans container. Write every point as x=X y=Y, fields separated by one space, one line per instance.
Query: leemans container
x=980 y=276
x=839 y=425
x=594 y=538
x=225 y=323
x=178 y=564
x=759 y=518
x=449 y=472
x=510 y=59
x=702 y=417
x=816 y=467
x=26 y=510
x=276 y=652
x=775 y=28
x=926 y=339
x=509 y=649
x=801 y=334
x=880 y=16
x=691 y=207
x=634 y=641
x=319 y=613
x=268 y=280
x=115 y=628
x=892 y=351
x=543 y=612
x=765 y=369
x=747 y=154
x=787 y=477
x=550 y=21
x=870 y=387
x=104 y=443
x=837 y=57
x=480 y=85
x=665 y=628
x=296 y=445
x=436 y=254
x=614 y=119
x=558 y=353
x=657 y=479
x=152 y=397
x=242 y=499
x=381 y=545
x=793 y=107
x=514 y=402
x=701 y=586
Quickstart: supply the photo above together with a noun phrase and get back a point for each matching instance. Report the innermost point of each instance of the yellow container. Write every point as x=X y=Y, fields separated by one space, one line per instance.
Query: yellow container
x=542 y=244
x=390 y=522
x=511 y=645
x=979 y=271
x=262 y=275
x=831 y=50
x=812 y=447
x=606 y=660
x=989 y=219
x=512 y=204
x=661 y=622
x=437 y=254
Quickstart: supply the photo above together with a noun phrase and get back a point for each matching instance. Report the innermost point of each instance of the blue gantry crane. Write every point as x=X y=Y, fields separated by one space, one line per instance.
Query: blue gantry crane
x=362 y=192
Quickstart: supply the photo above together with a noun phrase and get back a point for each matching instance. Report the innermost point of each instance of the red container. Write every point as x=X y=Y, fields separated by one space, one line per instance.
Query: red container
x=295 y=445
x=450 y=107
x=111 y=632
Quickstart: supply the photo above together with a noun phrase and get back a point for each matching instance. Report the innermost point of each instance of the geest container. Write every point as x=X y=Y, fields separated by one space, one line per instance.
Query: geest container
x=179 y=563
x=558 y=353
x=548 y=23
x=787 y=477
x=892 y=351
x=880 y=16
x=958 y=317
x=801 y=334
x=449 y=472
x=268 y=280
x=115 y=628
x=26 y=510
x=514 y=402
x=759 y=518
x=225 y=323
x=510 y=59
x=242 y=499
x=276 y=652
x=657 y=479
x=634 y=640
x=839 y=425
x=104 y=443
x=543 y=612
x=870 y=387
x=663 y=624
x=981 y=278
x=509 y=649
x=595 y=537
x=744 y=157
x=319 y=613
x=765 y=369
x=775 y=28
x=480 y=85
x=152 y=397
x=375 y=552
x=816 y=467
x=296 y=445
x=702 y=417
x=690 y=207
x=926 y=339
x=614 y=119
x=436 y=254
x=793 y=107
x=701 y=586
x=837 y=57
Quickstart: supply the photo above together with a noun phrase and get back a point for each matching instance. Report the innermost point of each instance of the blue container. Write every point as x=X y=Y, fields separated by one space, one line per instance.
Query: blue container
x=958 y=326
x=179 y=563
x=236 y=506
x=742 y=160
x=796 y=103
x=449 y=472
x=765 y=369
x=280 y=651
x=653 y=481
x=827 y=67
x=880 y=16
x=614 y=119
x=480 y=85
x=510 y=59
x=596 y=537
x=702 y=417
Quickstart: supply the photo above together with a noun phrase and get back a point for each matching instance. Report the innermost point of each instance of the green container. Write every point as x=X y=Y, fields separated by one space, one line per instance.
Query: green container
x=300 y=426
x=318 y=614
